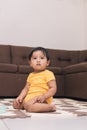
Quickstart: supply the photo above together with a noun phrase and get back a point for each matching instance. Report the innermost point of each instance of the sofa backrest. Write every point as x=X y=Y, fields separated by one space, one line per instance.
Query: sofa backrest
x=59 y=58
x=63 y=58
x=20 y=55
x=5 y=54
x=83 y=56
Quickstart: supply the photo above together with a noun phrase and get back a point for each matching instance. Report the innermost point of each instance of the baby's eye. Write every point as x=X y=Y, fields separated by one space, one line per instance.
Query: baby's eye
x=42 y=57
x=34 y=58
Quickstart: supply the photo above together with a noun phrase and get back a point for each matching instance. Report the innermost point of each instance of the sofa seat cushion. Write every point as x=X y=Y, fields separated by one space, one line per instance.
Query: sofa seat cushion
x=77 y=68
x=55 y=70
x=25 y=69
x=8 y=67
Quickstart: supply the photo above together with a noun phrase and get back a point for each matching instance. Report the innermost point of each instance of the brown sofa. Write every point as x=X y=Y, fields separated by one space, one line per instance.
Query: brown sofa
x=69 y=67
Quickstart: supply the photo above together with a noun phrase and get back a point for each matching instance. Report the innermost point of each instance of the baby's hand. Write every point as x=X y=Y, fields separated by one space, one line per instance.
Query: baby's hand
x=41 y=98
x=19 y=100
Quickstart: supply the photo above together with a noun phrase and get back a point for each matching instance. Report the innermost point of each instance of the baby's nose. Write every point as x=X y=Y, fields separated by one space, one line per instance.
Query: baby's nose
x=38 y=59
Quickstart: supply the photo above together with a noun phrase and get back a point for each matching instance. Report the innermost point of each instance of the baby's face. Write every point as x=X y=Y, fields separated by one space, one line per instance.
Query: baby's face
x=38 y=61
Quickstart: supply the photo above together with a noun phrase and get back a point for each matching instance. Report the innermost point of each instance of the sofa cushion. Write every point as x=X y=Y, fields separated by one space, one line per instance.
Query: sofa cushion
x=62 y=58
x=67 y=57
x=77 y=68
x=83 y=56
x=20 y=55
x=53 y=57
x=25 y=69
x=5 y=54
x=8 y=68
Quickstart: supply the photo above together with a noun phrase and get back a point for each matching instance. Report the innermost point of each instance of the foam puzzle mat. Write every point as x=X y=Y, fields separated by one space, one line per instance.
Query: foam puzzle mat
x=65 y=108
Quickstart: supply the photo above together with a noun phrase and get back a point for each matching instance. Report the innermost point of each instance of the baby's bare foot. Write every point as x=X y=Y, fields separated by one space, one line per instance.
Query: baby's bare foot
x=53 y=107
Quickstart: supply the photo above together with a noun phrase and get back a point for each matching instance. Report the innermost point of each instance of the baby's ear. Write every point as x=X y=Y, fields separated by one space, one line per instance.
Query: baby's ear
x=48 y=62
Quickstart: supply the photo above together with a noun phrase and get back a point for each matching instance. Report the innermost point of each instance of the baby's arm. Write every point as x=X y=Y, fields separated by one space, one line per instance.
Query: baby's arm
x=23 y=93
x=52 y=90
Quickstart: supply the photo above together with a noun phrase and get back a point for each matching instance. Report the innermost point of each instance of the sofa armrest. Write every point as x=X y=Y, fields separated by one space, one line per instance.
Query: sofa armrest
x=76 y=68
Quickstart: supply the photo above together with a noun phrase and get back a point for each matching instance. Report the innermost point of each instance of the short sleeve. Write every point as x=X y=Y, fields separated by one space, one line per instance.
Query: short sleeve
x=49 y=75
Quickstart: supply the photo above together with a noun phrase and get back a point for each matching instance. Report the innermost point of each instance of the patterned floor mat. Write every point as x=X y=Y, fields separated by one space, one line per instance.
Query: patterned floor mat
x=71 y=107
x=7 y=111
x=65 y=108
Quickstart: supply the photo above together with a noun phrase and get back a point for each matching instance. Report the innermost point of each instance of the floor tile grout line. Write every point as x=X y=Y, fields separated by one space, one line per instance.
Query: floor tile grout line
x=5 y=124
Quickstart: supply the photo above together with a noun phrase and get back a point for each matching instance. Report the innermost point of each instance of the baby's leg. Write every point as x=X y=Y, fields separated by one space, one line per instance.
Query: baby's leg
x=17 y=105
x=40 y=107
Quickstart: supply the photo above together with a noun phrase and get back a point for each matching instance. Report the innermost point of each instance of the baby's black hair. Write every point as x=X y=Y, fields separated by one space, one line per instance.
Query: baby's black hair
x=45 y=52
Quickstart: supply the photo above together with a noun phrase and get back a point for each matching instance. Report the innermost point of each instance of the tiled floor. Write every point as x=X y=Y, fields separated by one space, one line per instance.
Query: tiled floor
x=78 y=123
x=2 y=126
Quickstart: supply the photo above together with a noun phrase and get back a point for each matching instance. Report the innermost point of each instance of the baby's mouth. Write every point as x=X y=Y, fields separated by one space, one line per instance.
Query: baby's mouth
x=38 y=64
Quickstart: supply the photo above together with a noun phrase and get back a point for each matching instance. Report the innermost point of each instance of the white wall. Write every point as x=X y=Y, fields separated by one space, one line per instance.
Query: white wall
x=48 y=23
x=85 y=22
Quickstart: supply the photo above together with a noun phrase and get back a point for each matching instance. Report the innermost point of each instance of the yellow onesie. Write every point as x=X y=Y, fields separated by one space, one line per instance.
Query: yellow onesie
x=38 y=84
